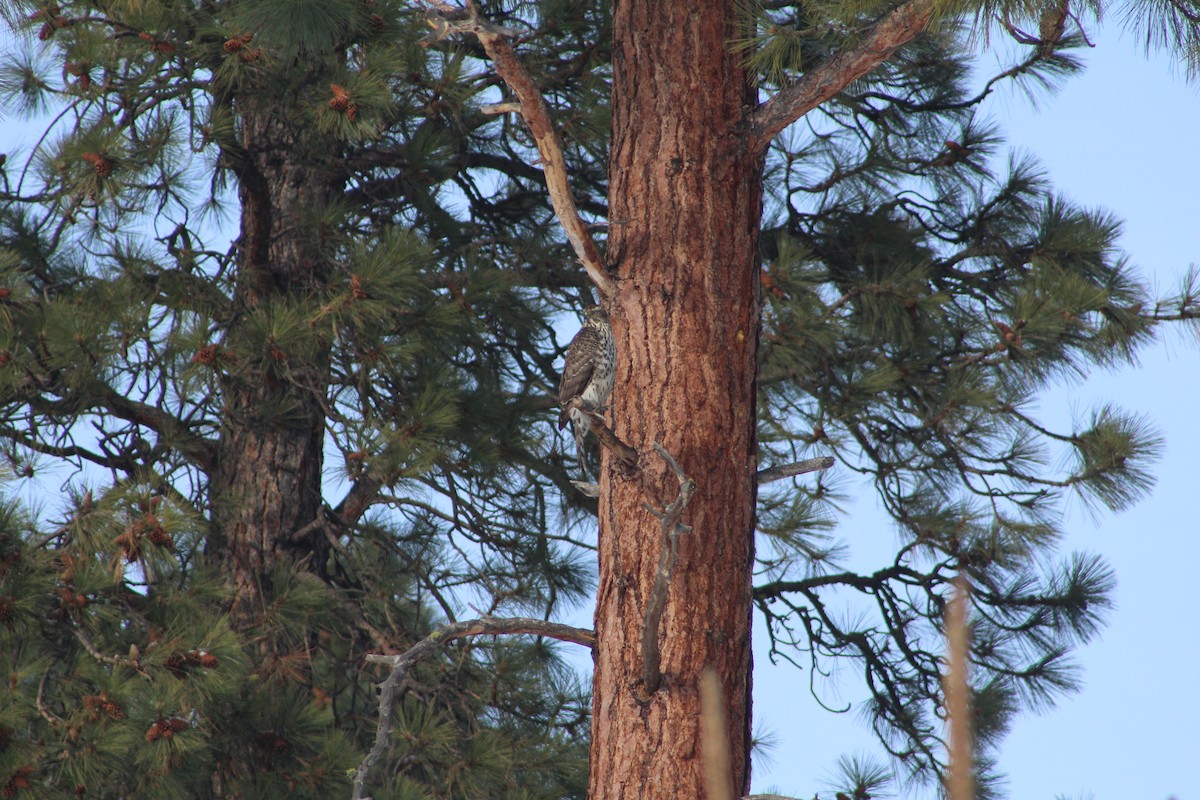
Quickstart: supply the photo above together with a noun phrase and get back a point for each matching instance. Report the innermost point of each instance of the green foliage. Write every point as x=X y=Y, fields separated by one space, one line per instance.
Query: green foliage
x=132 y=345
x=919 y=301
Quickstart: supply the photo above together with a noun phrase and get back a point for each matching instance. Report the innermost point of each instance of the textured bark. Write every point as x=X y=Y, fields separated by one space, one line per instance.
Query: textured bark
x=685 y=203
x=267 y=481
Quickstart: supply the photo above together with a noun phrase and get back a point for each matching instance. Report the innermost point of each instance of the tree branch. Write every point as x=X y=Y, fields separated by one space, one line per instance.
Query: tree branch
x=446 y=20
x=627 y=456
x=668 y=553
x=781 y=471
x=868 y=583
x=363 y=494
x=818 y=85
x=443 y=635
x=116 y=661
x=66 y=451
x=196 y=448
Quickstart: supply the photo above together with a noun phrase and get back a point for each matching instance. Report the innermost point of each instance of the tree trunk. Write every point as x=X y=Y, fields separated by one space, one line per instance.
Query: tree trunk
x=685 y=205
x=267 y=483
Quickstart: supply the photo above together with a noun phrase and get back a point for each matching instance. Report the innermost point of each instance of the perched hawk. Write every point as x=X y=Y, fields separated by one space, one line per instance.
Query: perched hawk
x=589 y=374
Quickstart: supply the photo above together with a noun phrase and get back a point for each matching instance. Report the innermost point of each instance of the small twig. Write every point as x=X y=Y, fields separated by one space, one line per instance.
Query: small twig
x=672 y=463
x=668 y=553
x=446 y=20
x=85 y=507
x=587 y=488
x=443 y=635
x=782 y=471
x=1018 y=35
x=1083 y=32
x=116 y=661
x=500 y=108
x=41 y=705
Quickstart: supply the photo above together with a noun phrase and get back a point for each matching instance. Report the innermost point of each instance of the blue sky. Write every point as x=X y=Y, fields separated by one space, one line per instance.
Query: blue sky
x=1118 y=137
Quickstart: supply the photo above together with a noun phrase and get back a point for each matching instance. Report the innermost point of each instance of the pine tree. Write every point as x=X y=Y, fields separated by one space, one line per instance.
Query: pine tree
x=243 y=313
x=322 y=435
x=917 y=299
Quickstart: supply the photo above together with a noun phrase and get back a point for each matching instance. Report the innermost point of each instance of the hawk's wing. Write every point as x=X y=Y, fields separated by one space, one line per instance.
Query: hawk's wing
x=579 y=366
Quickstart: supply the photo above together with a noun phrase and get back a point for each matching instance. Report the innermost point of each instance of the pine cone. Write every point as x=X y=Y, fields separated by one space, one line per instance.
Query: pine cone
x=341 y=98
x=100 y=164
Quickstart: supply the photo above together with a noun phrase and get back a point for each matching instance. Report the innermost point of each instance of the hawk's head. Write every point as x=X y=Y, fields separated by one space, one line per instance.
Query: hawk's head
x=594 y=314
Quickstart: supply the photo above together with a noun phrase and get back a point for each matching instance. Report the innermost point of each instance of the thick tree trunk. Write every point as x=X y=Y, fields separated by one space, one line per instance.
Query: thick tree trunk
x=267 y=482
x=685 y=203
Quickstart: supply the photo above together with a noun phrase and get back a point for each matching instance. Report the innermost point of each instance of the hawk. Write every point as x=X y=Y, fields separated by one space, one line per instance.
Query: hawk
x=589 y=373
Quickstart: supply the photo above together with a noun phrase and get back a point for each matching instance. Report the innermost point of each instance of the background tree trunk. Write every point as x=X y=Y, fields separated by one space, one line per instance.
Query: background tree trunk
x=267 y=484
x=685 y=207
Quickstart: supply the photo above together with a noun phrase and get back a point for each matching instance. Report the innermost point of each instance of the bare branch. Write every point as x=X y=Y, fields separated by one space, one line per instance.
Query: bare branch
x=625 y=454
x=500 y=108
x=41 y=704
x=668 y=553
x=116 y=661
x=823 y=82
x=199 y=450
x=447 y=20
x=781 y=471
x=362 y=495
x=868 y=583
x=587 y=488
x=443 y=635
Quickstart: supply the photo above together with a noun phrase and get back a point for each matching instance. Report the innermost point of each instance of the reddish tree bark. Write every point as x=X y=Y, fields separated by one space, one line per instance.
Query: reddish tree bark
x=686 y=169
x=685 y=203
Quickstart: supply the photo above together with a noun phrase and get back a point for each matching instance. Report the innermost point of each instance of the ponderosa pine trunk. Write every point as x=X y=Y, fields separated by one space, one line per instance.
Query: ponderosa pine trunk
x=685 y=201
x=266 y=488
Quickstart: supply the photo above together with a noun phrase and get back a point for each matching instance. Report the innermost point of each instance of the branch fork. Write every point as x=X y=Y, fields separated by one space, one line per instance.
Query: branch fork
x=447 y=20
x=403 y=663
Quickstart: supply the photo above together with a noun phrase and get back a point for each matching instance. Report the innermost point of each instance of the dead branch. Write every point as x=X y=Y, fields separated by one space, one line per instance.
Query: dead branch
x=500 y=108
x=587 y=488
x=827 y=79
x=85 y=507
x=626 y=455
x=668 y=553
x=401 y=665
x=447 y=20
x=94 y=652
x=45 y=712
x=781 y=471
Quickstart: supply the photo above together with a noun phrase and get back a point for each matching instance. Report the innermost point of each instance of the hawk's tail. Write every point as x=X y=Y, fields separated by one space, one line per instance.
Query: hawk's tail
x=581 y=451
